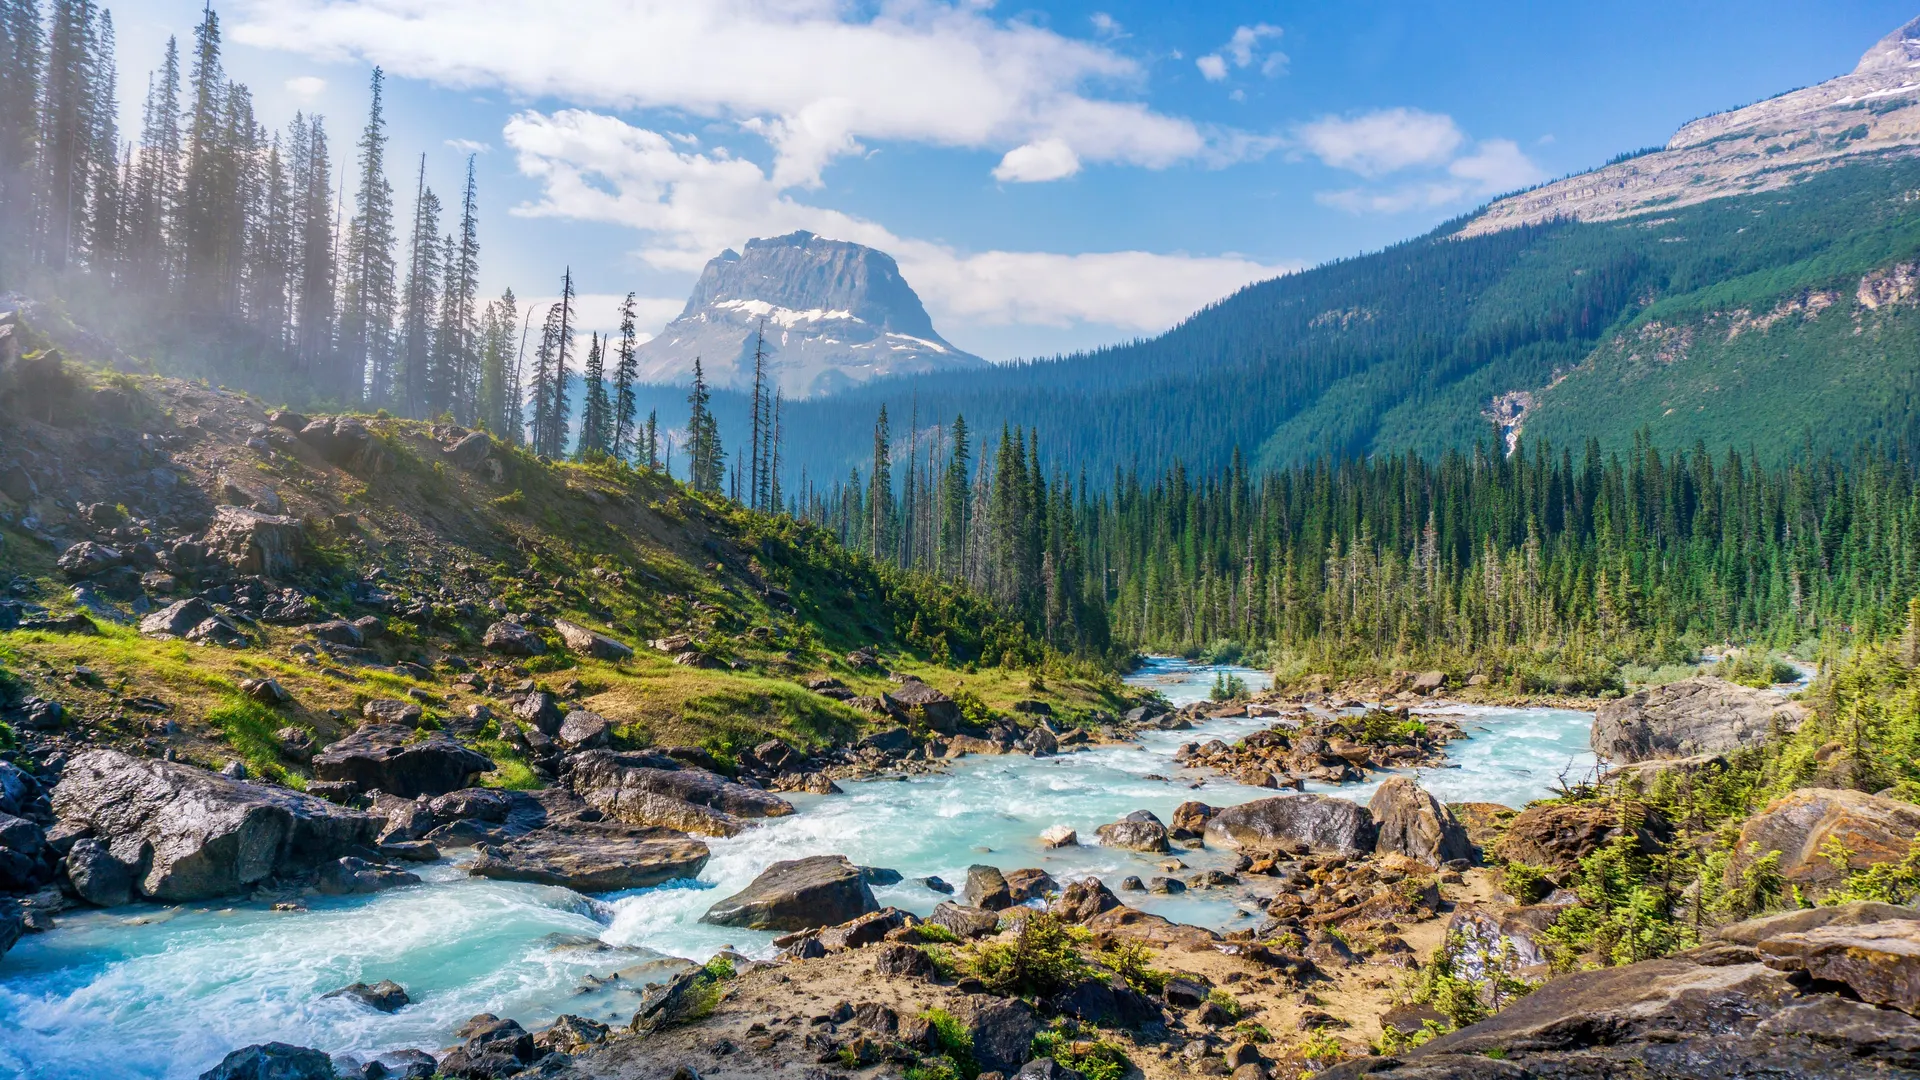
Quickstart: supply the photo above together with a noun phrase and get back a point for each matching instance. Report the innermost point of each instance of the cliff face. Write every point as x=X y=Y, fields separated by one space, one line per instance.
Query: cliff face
x=1873 y=110
x=834 y=314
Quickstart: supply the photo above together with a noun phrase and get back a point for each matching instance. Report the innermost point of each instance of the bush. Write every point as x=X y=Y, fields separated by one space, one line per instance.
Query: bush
x=1042 y=959
x=1129 y=960
x=1227 y=686
x=1525 y=882
x=952 y=1040
x=1098 y=1059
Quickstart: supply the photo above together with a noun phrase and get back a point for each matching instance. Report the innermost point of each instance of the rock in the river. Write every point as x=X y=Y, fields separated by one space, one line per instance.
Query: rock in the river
x=1083 y=899
x=97 y=877
x=1695 y=716
x=1138 y=831
x=633 y=788
x=798 y=894
x=1057 y=836
x=353 y=876
x=398 y=761
x=200 y=835
x=400 y=1065
x=1321 y=822
x=1413 y=823
x=590 y=862
x=1190 y=820
x=589 y=642
x=384 y=996
x=986 y=889
x=512 y=639
x=12 y=926
x=1031 y=883
x=1801 y=824
x=273 y=1061
x=494 y=1049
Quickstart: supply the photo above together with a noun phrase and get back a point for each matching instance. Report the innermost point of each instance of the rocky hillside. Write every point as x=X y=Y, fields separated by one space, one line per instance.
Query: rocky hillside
x=836 y=314
x=1872 y=111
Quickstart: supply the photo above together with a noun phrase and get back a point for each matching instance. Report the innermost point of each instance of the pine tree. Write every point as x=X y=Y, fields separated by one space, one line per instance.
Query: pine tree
x=759 y=411
x=625 y=374
x=22 y=64
x=106 y=186
x=418 y=391
x=153 y=202
x=880 y=493
x=653 y=439
x=707 y=469
x=953 y=503
x=458 y=356
x=313 y=266
x=596 y=410
x=367 y=297
x=545 y=401
x=496 y=349
x=66 y=131
x=207 y=170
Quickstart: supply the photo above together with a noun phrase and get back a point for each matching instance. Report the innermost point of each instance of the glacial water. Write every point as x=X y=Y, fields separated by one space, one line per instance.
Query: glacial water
x=162 y=994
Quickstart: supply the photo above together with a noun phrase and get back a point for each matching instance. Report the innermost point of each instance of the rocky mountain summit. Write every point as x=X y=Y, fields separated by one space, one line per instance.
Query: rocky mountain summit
x=1874 y=110
x=836 y=314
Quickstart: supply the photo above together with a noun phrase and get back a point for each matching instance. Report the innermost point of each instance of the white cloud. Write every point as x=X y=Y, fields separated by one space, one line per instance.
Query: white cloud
x=1424 y=196
x=1383 y=141
x=1048 y=159
x=1240 y=50
x=1497 y=166
x=306 y=87
x=1106 y=25
x=470 y=146
x=817 y=78
x=689 y=205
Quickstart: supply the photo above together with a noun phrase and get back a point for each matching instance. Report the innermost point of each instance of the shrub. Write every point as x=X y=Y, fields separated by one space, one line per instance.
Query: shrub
x=952 y=1040
x=935 y=933
x=1042 y=959
x=1525 y=882
x=1098 y=1059
x=1129 y=960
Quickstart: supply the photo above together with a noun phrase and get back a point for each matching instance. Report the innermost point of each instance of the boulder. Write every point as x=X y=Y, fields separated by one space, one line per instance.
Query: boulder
x=267 y=545
x=1801 y=824
x=1429 y=682
x=1321 y=822
x=353 y=876
x=986 y=889
x=540 y=712
x=1059 y=836
x=399 y=761
x=634 y=789
x=1190 y=820
x=902 y=961
x=193 y=834
x=400 y=1065
x=1558 y=836
x=469 y=451
x=591 y=862
x=1083 y=899
x=942 y=713
x=384 y=996
x=1031 y=884
x=12 y=925
x=1002 y=1030
x=177 y=618
x=583 y=730
x=1138 y=831
x=97 y=877
x=589 y=642
x=1411 y=822
x=966 y=922
x=1695 y=716
x=1801 y=920
x=273 y=1061
x=335 y=632
x=86 y=558
x=798 y=894
x=570 y=1034
x=1879 y=962
x=511 y=639
x=494 y=1049
x=866 y=930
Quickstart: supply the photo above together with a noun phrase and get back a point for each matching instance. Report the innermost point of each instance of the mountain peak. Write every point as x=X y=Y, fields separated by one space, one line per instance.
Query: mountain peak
x=836 y=314
x=1898 y=51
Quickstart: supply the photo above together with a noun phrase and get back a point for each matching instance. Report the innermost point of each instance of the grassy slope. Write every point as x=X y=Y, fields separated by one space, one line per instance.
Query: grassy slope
x=628 y=553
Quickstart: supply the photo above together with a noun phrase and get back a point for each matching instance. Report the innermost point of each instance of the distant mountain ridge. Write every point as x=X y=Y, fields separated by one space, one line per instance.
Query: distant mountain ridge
x=836 y=314
x=1872 y=110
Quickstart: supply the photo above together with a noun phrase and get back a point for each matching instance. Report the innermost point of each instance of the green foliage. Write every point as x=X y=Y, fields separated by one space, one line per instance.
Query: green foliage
x=1132 y=961
x=952 y=1040
x=1096 y=1059
x=1758 y=672
x=720 y=967
x=1041 y=960
x=1465 y=986
x=249 y=728
x=1226 y=1002
x=1889 y=883
x=1227 y=686
x=1525 y=882
x=937 y=934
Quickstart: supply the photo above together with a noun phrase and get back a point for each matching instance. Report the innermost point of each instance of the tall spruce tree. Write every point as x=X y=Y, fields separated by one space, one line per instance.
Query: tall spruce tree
x=368 y=298
x=880 y=492
x=458 y=356
x=596 y=407
x=418 y=396
x=626 y=374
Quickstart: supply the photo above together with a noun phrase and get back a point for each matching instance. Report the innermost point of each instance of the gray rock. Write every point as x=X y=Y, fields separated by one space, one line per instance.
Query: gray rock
x=353 y=876
x=177 y=618
x=798 y=894
x=392 y=711
x=1875 y=829
x=1411 y=822
x=86 y=558
x=590 y=642
x=1321 y=822
x=395 y=760
x=942 y=713
x=967 y=922
x=631 y=788
x=201 y=835
x=583 y=730
x=255 y=543
x=512 y=639
x=12 y=926
x=494 y=1049
x=384 y=996
x=1002 y=1030
x=1139 y=831
x=335 y=632
x=590 y=862
x=401 y=1065
x=1688 y=718
x=97 y=877
x=273 y=1061
x=540 y=712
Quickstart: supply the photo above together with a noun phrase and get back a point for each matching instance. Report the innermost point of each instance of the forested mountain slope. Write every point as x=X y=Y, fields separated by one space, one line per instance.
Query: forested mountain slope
x=1761 y=321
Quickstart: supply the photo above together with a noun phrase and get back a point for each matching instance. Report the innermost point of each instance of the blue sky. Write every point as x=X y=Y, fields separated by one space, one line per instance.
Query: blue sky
x=1050 y=176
